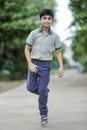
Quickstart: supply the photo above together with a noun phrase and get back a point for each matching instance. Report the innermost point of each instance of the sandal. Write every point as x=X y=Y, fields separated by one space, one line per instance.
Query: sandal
x=44 y=120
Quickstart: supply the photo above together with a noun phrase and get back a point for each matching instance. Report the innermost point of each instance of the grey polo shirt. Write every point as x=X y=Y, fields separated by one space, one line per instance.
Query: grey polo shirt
x=43 y=45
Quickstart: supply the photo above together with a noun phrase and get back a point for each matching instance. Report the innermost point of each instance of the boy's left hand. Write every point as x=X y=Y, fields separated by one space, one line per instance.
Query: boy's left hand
x=60 y=72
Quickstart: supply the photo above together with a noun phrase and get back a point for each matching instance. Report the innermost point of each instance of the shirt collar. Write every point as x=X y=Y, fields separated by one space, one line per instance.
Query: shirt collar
x=49 y=31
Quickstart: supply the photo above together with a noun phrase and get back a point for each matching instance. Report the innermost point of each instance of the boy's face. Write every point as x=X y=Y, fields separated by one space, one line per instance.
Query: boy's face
x=46 y=21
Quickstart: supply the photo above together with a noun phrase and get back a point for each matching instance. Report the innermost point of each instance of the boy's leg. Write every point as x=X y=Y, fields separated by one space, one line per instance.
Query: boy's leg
x=43 y=98
x=32 y=82
x=44 y=79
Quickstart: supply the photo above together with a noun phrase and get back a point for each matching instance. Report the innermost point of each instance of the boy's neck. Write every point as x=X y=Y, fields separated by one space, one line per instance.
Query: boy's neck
x=45 y=30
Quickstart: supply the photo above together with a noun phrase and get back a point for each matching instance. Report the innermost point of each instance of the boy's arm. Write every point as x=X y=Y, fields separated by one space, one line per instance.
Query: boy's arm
x=60 y=61
x=33 y=67
x=27 y=53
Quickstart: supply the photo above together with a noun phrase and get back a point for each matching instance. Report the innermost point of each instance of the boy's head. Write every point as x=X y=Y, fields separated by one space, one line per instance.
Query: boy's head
x=46 y=12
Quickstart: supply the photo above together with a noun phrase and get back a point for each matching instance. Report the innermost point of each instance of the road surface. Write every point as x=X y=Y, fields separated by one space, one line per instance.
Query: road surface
x=67 y=105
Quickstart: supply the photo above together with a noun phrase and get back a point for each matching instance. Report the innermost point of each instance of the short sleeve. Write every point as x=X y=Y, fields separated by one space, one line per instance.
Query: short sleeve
x=57 y=42
x=29 y=39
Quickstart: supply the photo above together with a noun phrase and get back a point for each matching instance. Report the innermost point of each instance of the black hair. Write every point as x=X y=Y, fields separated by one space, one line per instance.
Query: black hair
x=46 y=12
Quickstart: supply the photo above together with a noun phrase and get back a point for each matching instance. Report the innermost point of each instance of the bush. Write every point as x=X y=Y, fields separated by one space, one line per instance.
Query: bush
x=5 y=75
x=83 y=61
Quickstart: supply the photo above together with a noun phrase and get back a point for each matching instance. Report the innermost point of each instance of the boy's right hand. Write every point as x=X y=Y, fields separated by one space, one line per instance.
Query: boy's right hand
x=33 y=67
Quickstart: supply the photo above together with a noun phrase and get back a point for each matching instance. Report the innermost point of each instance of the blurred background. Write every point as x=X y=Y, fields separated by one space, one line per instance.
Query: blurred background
x=19 y=17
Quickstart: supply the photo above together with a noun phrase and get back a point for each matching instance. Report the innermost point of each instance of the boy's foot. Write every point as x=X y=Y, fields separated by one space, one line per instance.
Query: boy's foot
x=44 y=120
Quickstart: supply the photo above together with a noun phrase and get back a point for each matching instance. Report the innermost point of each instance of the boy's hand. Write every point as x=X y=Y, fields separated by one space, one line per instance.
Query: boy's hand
x=60 y=72
x=33 y=67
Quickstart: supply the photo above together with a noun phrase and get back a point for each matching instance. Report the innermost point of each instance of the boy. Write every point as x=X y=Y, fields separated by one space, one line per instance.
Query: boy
x=42 y=42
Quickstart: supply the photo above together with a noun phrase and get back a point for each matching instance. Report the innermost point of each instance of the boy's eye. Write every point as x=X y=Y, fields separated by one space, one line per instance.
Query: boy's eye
x=44 y=18
x=49 y=18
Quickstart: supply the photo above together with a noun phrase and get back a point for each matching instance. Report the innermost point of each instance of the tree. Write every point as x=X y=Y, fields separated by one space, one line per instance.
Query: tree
x=17 y=19
x=79 y=38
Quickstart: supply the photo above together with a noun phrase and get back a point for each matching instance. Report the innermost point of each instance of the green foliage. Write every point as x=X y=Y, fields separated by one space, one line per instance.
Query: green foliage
x=79 y=11
x=79 y=38
x=83 y=60
x=5 y=74
x=17 y=19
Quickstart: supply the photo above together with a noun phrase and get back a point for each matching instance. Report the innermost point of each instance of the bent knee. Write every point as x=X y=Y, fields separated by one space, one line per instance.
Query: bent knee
x=43 y=92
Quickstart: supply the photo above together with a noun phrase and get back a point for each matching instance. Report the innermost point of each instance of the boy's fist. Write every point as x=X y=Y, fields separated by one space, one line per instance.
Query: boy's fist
x=60 y=72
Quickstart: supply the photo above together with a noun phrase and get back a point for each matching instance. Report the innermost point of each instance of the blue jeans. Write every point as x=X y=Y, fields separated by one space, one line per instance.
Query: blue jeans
x=37 y=83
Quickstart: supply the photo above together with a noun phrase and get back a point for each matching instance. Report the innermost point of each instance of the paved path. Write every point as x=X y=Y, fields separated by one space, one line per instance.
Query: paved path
x=67 y=105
